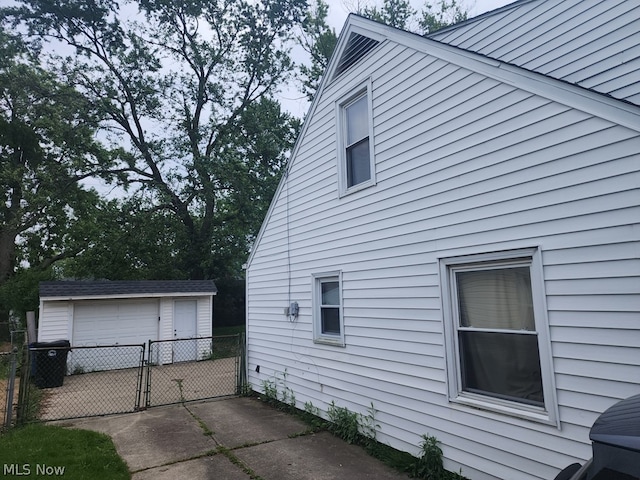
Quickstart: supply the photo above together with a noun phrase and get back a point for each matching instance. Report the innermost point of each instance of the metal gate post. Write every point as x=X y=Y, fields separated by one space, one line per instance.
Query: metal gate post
x=241 y=365
x=25 y=386
x=140 y=375
x=147 y=402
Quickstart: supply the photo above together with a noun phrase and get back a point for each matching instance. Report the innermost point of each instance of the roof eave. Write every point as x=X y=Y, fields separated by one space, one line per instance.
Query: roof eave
x=56 y=298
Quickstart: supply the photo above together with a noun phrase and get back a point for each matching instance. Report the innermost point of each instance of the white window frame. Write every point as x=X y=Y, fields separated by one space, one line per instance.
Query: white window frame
x=316 y=288
x=528 y=256
x=341 y=123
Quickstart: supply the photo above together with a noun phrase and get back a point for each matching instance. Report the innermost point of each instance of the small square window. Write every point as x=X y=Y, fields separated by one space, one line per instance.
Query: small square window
x=355 y=156
x=497 y=343
x=330 y=308
x=327 y=309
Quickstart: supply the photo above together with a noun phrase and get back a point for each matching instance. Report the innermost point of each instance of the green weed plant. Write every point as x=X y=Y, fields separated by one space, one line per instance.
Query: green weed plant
x=361 y=429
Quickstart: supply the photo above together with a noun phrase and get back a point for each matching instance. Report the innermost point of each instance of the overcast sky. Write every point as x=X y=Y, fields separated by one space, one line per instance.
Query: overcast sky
x=339 y=9
x=296 y=103
x=290 y=96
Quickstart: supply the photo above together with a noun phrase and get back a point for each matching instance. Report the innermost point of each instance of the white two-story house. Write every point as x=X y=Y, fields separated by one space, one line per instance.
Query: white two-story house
x=456 y=239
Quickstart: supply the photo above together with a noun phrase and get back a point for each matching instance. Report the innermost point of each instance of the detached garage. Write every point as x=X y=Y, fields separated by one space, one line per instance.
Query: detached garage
x=101 y=313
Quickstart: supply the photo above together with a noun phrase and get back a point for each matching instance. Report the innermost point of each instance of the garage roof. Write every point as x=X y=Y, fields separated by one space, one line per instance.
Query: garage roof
x=124 y=288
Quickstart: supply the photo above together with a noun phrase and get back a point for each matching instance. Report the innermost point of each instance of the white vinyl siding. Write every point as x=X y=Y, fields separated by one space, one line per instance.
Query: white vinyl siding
x=354 y=141
x=497 y=298
x=465 y=164
x=593 y=44
x=204 y=325
x=328 y=324
x=58 y=324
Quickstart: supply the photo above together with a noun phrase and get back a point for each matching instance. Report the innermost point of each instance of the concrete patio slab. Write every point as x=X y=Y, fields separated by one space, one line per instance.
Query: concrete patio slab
x=152 y=438
x=319 y=456
x=246 y=421
x=206 y=468
x=175 y=441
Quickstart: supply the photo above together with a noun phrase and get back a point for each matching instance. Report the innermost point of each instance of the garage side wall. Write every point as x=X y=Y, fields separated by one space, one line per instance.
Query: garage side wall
x=54 y=321
x=204 y=324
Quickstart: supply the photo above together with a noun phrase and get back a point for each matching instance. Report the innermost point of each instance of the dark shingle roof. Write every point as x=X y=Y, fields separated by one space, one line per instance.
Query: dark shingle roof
x=124 y=287
x=590 y=44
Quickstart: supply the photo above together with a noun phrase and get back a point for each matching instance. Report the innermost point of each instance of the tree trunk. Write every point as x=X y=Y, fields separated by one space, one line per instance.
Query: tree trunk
x=7 y=253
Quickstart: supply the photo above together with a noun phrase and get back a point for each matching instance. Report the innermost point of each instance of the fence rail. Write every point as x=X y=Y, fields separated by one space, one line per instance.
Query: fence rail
x=81 y=381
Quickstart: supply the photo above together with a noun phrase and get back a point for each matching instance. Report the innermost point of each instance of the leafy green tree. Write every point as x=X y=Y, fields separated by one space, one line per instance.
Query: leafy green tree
x=442 y=14
x=396 y=13
x=255 y=168
x=174 y=86
x=128 y=240
x=319 y=40
x=47 y=148
x=20 y=294
x=400 y=14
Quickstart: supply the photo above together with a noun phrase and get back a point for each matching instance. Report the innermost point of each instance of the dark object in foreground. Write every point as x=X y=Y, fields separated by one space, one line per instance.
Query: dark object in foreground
x=50 y=362
x=615 y=438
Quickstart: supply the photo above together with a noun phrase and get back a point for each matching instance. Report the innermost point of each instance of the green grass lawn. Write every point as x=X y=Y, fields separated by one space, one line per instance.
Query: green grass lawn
x=47 y=451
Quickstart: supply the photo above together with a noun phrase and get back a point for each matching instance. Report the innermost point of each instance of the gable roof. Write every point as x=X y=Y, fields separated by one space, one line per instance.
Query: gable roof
x=603 y=104
x=594 y=44
x=124 y=288
x=357 y=47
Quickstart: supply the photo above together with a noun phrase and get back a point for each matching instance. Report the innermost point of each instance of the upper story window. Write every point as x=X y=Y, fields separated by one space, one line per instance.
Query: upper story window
x=355 y=156
x=357 y=147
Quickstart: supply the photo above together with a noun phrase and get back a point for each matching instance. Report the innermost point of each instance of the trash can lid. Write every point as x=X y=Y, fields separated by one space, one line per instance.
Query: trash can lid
x=619 y=425
x=53 y=344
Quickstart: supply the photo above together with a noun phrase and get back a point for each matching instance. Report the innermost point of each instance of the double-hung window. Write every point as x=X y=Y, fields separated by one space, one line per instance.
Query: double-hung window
x=497 y=343
x=328 y=325
x=355 y=156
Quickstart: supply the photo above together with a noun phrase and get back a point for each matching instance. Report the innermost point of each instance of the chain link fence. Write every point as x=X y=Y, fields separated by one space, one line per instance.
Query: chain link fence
x=87 y=381
x=11 y=363
x=183 y=370
x=8 y=391
x=56 y=381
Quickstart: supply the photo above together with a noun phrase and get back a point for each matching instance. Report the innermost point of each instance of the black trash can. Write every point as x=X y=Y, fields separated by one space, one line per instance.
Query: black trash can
x=49 y=363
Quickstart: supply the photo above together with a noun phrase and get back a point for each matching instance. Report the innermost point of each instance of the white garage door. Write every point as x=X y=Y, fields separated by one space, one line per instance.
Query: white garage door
x=111 y=322
x=115 y=322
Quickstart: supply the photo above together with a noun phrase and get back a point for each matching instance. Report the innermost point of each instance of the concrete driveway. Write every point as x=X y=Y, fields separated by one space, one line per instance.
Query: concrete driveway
x=231 y=439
